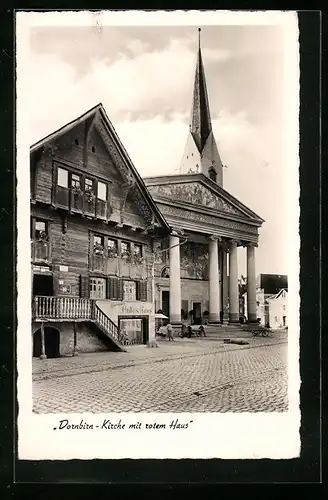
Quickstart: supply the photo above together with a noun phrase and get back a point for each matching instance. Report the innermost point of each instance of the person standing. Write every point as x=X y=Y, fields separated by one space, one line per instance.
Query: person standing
x=169 y=330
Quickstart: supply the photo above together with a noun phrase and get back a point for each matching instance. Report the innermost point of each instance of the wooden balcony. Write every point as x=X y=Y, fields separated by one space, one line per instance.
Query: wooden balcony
x=40 y=250
x=62 y=308
x=76 y=309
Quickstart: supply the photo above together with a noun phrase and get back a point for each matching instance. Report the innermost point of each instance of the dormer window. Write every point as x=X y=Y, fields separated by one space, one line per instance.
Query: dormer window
x=212 y=174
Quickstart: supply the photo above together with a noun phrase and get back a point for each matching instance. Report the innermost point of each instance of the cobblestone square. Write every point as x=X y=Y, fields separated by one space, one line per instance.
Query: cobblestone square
x=192 y=375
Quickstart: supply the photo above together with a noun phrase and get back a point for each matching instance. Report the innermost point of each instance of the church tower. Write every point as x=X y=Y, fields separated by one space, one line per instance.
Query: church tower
x=201 y=154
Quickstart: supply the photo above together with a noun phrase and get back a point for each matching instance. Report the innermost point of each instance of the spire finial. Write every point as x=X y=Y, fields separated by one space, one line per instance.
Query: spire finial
x=199 y=30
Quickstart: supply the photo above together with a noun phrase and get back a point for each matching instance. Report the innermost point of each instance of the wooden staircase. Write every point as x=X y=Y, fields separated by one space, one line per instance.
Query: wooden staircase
x=60 y=309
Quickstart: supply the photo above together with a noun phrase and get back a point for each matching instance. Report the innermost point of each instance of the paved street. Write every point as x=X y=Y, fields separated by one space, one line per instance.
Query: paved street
x=193 y=375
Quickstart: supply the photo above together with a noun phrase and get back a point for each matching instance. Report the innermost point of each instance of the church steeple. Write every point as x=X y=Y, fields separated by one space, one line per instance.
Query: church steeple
x=201 y=154
x=200 y=125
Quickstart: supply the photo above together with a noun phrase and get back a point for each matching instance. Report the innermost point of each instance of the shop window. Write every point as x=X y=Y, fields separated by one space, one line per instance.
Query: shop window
x=97 y=288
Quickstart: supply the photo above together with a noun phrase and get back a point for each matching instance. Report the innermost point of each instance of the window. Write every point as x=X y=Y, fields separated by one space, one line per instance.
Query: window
x=112 y=248
x=76 y=181
x=137 y=250
x=129 y=290
x=102 y=191
x=40 y=231
x=98 y=245
x=284 y=308
x=212 y=173
x=62 y=179
x=88 y=185
x=97 y=288
x=125 y=250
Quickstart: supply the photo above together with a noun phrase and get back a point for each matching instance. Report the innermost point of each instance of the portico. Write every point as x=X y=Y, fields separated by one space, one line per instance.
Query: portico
x=218 y=253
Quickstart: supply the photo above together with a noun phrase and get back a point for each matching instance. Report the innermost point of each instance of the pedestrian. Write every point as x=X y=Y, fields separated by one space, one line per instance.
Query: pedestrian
x=202 y=331
x=169 y=330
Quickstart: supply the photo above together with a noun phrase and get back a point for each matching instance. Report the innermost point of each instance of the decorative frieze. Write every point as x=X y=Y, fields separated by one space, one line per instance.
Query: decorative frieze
x=195 y=193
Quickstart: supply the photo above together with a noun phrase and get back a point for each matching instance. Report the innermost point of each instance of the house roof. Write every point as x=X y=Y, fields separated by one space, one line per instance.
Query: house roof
x=277 y=295
x=99 y=108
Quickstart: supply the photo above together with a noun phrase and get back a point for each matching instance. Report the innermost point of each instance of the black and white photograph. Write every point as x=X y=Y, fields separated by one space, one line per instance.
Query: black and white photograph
x=157 y=215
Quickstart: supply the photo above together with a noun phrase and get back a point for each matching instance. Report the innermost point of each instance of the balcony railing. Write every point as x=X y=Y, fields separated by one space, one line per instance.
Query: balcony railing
x=62 y=308
x=71 y=308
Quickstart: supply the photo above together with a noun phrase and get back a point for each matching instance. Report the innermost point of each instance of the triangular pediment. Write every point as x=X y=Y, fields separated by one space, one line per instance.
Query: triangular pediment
x=97 y=129
x=199 y=192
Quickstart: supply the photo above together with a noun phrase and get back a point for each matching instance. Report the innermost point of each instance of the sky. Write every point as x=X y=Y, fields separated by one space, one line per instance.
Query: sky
x=144 y=78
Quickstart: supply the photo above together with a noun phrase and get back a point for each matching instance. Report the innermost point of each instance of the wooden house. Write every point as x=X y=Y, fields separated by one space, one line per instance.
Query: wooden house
x=93 y=223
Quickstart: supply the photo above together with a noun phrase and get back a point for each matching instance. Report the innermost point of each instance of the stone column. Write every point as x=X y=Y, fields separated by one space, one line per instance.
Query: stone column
x=213 y=281
x=251 y=284
x=175 y=286
x=43 y=345
x=233 y=284
x=224 y=273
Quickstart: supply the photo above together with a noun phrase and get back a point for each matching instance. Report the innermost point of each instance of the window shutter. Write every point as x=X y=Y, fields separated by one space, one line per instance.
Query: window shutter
x=84 y=287
x=108 y=288
x=111 y=288
x=119 y=289
x=138 y=290
x=143 y=290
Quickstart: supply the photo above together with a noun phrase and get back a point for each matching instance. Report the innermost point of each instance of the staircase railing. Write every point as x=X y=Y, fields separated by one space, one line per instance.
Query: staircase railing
x=71 y=308
x=106 y=323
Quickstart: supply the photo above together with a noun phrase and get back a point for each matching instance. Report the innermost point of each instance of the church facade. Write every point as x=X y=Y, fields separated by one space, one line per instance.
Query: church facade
x=109 y=248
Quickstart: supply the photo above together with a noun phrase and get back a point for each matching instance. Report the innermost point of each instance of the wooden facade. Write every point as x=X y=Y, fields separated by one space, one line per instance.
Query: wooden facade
x=92 y=224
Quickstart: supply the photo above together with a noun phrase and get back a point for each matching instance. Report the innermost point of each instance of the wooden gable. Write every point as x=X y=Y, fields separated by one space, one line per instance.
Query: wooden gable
x=89 y=146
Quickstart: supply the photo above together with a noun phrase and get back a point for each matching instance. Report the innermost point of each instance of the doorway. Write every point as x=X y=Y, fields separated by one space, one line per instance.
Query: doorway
x=51 y=342
x=197 y=313
x=166 y=303
x=43 y=285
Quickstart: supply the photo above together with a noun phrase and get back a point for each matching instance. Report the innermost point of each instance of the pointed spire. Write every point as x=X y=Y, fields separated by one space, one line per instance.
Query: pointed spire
x=200 y=125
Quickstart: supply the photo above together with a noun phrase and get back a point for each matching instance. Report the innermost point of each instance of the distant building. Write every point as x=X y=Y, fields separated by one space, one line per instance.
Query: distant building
x=269 y=290
x=278 y=309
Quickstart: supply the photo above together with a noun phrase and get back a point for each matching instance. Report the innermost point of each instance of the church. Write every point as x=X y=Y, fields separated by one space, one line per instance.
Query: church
x=109 y=248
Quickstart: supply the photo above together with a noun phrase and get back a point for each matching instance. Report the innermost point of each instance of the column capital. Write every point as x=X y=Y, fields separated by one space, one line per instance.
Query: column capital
x=251 y=244
x=176 y=232
x=234 y=242
x=214 y=237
